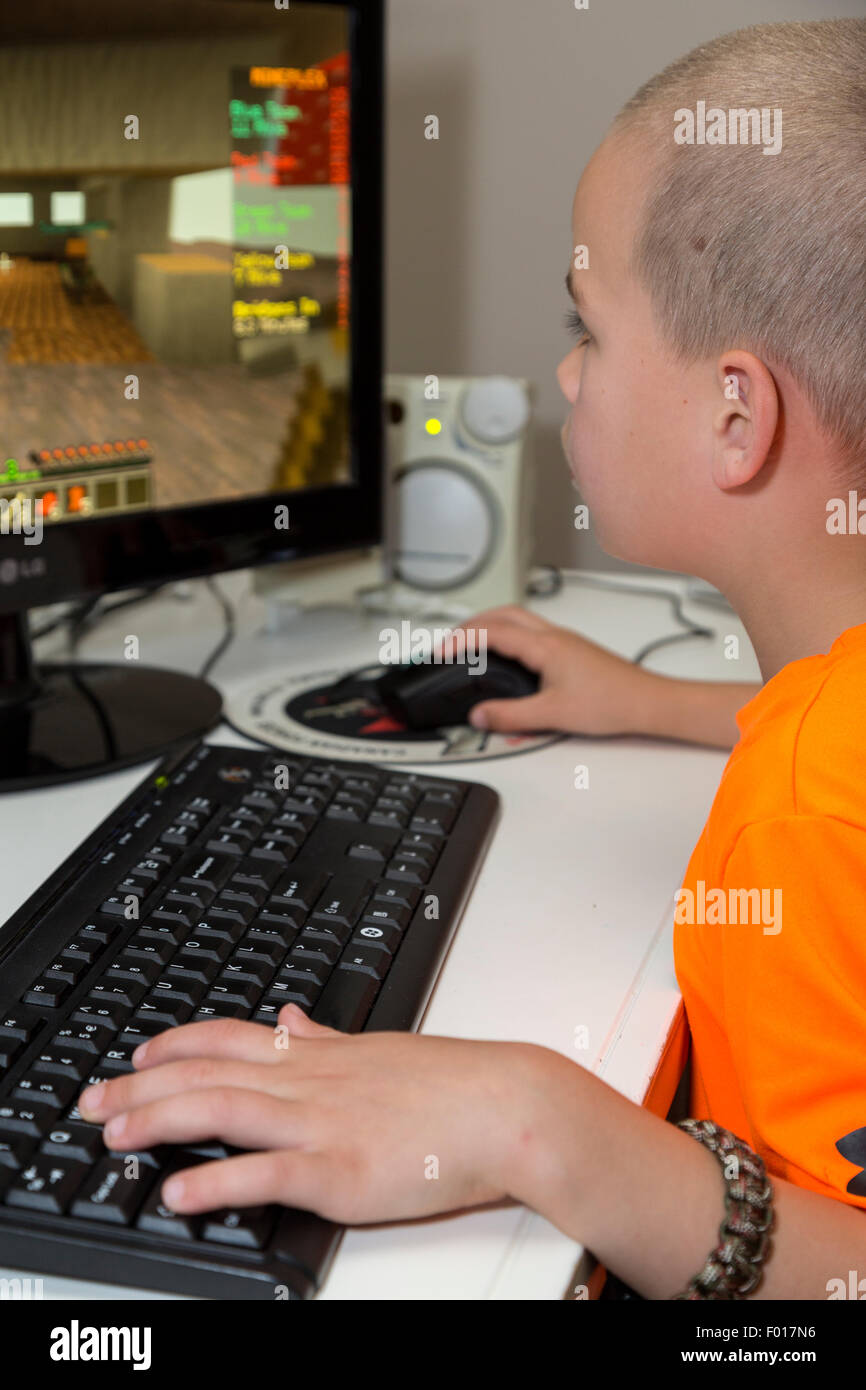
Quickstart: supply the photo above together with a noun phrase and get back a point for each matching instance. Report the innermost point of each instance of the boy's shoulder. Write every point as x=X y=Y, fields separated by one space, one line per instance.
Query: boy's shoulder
x=802 y=750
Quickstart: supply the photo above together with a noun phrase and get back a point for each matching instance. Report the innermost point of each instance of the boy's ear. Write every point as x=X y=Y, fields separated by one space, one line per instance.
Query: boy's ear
x=745 y=424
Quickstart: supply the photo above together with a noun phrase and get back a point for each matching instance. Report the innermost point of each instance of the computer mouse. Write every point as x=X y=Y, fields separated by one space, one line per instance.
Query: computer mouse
x=439 y=694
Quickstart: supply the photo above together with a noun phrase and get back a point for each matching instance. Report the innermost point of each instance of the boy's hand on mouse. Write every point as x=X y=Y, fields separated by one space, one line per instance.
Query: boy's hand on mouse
x=585 y=689
x=358 y=1128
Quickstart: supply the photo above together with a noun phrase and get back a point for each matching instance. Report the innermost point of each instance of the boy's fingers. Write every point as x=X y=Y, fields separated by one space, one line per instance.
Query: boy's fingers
x=300 y=1025
x=291 y=1177
x=216 y=1037
x=247 y=1119
x=109 y=1098
x=529 y=714
x=497 y=632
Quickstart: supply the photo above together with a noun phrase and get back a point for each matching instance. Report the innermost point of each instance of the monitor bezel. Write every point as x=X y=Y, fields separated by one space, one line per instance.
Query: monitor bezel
x=77 y=559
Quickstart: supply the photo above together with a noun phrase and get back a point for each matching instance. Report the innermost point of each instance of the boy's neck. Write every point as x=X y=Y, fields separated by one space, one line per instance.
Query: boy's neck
x=800 y=618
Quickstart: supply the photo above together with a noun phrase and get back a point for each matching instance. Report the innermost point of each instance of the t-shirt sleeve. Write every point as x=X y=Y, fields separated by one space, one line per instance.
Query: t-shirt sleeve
x=795 y=997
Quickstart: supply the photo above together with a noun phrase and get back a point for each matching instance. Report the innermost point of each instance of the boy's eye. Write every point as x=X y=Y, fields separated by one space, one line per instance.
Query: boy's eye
x=575 y=325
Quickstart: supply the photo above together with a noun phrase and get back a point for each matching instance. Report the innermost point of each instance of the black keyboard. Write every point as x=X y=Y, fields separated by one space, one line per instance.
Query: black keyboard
x=229 y=883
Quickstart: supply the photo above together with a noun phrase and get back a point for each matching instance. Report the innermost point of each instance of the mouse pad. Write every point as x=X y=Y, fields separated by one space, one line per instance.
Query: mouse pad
x=339 y=715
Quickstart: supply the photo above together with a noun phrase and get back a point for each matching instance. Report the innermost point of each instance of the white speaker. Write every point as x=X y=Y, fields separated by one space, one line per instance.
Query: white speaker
x=459 y=486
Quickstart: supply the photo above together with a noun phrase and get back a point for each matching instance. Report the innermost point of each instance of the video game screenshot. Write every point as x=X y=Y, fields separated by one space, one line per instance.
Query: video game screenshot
x=175 y=252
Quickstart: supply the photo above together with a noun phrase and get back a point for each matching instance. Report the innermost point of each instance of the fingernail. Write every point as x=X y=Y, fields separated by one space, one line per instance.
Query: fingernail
x=478 y=718
x=139 y=1054
x=172 y=1193
x=115 y=1127
x=91 y=1101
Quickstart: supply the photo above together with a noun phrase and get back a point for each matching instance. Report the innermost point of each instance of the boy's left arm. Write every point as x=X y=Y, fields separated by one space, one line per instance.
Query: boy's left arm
x=389 y=1126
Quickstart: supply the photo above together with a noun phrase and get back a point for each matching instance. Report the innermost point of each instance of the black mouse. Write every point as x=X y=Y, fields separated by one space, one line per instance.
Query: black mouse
x=439 y=694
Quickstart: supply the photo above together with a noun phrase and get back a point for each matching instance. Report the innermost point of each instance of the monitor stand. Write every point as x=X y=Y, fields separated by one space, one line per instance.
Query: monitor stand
x=60 y=722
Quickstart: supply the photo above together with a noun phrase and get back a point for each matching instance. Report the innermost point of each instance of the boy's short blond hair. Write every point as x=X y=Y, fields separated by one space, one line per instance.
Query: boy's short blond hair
x=765 y=252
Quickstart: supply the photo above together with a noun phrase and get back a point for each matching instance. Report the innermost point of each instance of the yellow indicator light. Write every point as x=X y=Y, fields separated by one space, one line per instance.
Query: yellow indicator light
x=434 y=427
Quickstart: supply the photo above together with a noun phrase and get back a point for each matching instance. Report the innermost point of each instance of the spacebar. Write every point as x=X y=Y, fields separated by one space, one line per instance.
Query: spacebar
x=346 y=1001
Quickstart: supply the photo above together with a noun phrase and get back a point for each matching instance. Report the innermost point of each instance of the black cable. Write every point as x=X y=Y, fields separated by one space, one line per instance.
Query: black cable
x=673 y=598
x=229 y=633
x=80 y=614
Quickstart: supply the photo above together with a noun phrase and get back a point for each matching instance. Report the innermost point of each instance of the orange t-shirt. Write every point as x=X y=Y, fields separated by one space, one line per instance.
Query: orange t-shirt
x=770 y=928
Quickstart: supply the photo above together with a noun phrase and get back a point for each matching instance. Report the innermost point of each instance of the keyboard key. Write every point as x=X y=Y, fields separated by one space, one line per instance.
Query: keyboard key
x=378 y=914
x=346 y=1001
x=342 y=902
x=366 y=960
x=67 y=968
x=299 y=889
x=118 y=1057
x=127 y=967
x=26 y=1117
x=177 y=984
x=20 y=1023
x=81 y=949
x=404 y=872
x=109 y=1195
x=46 y=1184
x=291 y=991
x=143 y=947
x=171 y=1013
x=379 y=938
x=315 y=948
x=248 y=1227
x=47 y=1090
x=227 y=989
x=219 y=1008
x=113 y=989
x=47 y=992
x=318 y=930
x=74 y=1140
x=9 y=1052
x=404 y=895
x=102 y=932
x=159 y=1220
x=260 y=875
x=61 y=1062
x=432 y=818
x=88 y=1038
x=206 y=872
x=304 y=968
x=15 y=1150
x=395 y=820
x=373 y=854
x=272 y=851
x=152 y=869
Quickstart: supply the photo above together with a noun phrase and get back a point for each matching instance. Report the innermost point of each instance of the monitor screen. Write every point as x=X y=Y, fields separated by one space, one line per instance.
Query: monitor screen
x=175 y=255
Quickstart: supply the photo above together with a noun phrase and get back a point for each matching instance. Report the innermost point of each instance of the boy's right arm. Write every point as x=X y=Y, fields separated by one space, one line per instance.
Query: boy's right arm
x=586 y=689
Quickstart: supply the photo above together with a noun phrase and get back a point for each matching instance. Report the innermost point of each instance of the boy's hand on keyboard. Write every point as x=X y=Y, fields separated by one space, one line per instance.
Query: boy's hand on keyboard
x=355 y=1127
x=585 y=689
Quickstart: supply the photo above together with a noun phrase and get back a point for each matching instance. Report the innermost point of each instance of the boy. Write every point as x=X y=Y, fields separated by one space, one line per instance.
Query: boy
x=717 y=408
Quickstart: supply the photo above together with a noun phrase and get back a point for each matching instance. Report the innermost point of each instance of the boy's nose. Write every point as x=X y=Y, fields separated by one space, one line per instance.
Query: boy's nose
x=568 y=375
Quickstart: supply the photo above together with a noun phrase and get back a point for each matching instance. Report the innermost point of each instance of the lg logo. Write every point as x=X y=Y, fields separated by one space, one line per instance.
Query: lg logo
x=12 y=570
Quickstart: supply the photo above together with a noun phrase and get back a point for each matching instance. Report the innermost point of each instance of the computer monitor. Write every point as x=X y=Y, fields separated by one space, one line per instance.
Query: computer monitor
x=190 y=328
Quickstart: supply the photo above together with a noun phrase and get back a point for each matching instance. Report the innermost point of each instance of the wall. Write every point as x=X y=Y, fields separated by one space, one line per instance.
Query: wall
x=479 y=223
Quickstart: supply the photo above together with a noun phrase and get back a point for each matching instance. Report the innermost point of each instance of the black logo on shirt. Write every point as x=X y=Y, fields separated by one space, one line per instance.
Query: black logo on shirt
x=853 y=1147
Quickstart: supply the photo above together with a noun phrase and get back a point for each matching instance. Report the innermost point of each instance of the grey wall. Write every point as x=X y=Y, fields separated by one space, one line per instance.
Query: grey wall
x=479 y=224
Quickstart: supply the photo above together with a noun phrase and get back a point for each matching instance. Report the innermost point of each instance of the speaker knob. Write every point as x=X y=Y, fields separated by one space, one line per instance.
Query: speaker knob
x=495 y=409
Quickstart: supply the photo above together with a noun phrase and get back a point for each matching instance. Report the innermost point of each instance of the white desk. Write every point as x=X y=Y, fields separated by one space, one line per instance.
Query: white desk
x=569 y=925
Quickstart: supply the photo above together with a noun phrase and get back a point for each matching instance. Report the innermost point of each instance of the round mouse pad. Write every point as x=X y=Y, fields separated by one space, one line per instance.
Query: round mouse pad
x=339 y=715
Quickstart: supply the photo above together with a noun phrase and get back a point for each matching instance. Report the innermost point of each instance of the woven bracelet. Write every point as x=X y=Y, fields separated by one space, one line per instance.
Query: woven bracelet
x=733 y=1269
